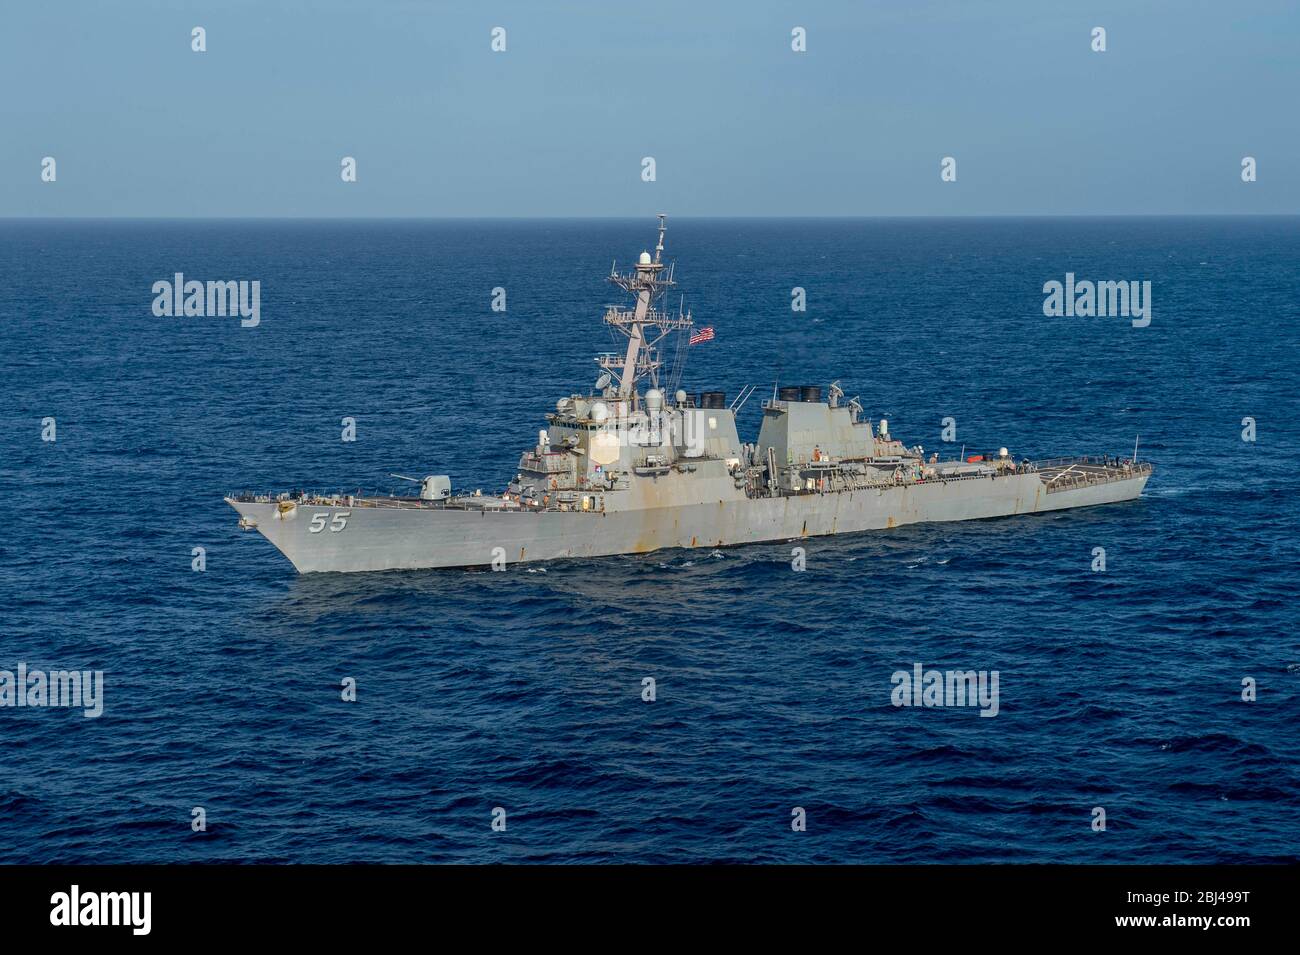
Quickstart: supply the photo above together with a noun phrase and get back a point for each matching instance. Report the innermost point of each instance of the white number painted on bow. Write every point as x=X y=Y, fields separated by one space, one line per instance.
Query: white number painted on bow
x=337 y=521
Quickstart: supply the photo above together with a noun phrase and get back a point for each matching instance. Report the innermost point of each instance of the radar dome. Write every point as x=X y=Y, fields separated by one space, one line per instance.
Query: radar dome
x=680 y=396
x=599 y=411
x=654 y=399
x=645 y=258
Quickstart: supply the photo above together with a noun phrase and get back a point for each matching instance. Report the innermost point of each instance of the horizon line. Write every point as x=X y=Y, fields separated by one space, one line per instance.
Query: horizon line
x=639 y=216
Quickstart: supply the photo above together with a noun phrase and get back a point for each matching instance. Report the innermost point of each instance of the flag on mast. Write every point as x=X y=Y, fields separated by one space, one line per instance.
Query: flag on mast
x=703 y=335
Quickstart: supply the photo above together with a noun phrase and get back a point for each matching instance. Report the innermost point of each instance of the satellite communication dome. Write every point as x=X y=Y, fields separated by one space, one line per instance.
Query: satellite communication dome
x=645 y=258
x=680 y=396
x=599 y=411
x=654 y=399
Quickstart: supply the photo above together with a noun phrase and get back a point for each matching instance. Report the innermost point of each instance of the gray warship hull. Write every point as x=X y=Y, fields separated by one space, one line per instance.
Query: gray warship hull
x=396 y=534
x=628 y=469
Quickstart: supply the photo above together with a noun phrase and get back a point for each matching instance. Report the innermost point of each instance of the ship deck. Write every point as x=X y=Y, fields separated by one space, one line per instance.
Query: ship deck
x=1060 y=474
x=1057 y=474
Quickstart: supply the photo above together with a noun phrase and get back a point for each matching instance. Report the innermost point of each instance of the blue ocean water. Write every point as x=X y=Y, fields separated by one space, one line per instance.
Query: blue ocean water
x=522 y=689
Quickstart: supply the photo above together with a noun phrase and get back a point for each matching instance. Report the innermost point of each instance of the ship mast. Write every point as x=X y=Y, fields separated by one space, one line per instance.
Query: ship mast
x=647 y=324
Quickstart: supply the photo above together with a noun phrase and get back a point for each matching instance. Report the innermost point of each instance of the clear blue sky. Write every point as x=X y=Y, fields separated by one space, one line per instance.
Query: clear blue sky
x=738 y=123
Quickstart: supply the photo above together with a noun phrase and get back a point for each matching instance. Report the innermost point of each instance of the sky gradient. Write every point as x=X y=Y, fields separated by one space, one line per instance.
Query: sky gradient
x=738 y=123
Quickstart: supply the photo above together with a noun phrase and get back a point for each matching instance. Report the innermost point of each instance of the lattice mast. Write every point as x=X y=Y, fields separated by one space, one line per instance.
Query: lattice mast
x=645 y=325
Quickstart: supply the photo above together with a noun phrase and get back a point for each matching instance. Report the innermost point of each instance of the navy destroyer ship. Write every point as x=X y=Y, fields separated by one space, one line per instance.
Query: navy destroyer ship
x=635 y=465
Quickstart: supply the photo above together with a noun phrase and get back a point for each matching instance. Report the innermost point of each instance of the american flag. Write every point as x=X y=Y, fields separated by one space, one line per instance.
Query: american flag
x=703 y=335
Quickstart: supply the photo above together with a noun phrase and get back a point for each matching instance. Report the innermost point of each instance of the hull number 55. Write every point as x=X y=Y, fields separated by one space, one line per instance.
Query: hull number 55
x=337 y=521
